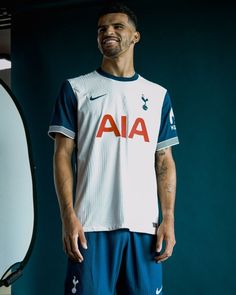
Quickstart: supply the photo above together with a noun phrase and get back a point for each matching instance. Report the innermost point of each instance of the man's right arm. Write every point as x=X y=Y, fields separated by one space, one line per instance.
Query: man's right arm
x=72 y=229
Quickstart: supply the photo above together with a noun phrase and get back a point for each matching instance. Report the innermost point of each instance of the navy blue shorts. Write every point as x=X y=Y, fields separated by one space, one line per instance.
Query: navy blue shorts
x=116 y=262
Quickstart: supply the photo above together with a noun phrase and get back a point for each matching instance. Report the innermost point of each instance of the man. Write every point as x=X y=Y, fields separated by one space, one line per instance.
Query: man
x=122 y=129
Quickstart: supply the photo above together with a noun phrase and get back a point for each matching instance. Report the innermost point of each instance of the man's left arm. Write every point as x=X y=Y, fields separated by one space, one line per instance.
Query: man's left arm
x=166 y=182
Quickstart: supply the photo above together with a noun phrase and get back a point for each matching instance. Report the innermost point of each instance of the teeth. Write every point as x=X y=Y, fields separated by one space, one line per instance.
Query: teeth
x=109 y=41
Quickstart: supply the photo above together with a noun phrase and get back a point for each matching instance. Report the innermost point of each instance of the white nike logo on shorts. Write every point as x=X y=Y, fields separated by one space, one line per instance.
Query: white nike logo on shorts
x=158 y=291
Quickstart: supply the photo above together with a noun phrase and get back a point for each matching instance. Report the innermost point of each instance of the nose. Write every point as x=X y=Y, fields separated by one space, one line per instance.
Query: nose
x=109 y=31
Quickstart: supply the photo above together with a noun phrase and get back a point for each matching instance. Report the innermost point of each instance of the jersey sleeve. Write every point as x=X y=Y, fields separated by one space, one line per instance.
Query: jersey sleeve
x=168 y=133
x=64 y=116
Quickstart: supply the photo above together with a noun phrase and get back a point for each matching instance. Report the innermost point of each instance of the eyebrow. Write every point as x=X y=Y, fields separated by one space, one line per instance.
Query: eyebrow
x=113 y=24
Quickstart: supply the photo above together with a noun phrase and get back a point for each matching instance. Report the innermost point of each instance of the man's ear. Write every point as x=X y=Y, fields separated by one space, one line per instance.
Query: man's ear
x=136 y=37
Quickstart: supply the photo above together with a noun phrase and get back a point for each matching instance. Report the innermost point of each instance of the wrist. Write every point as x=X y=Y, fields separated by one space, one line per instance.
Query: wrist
x=67 y=211
x=168 y=215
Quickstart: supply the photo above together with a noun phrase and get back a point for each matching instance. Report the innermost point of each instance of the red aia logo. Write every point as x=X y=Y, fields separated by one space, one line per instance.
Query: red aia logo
x=138 y=128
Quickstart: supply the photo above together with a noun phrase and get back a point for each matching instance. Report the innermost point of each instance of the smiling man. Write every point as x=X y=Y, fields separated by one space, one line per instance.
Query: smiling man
x=122 y=128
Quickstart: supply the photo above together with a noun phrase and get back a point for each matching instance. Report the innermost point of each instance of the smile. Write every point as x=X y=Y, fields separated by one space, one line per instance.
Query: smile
x=110 y=40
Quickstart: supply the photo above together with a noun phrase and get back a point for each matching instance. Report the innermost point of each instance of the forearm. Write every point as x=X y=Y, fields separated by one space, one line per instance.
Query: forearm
x=166 y=182
x=63 y=179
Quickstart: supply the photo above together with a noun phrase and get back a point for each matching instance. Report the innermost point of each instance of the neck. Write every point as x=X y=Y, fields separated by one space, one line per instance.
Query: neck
x=118 y=67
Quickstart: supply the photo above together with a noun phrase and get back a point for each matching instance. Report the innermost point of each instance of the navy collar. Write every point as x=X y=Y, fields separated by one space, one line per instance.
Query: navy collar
x=107 y=75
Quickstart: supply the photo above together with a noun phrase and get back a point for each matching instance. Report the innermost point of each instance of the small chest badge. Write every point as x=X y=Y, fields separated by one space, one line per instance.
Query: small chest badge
x=145 y=100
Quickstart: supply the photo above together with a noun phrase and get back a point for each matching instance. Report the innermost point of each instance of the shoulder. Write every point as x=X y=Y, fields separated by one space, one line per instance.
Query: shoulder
x=80 y=81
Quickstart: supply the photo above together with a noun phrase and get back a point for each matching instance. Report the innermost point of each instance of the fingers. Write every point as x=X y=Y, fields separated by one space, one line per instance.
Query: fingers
x=71 y=246
x=73 y=237
x=83 y=240
x=72 y=249
x=167 y=253
x=159 y=242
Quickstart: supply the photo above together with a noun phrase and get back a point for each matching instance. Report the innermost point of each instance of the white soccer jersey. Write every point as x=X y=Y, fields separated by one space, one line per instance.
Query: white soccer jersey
x=118 y=124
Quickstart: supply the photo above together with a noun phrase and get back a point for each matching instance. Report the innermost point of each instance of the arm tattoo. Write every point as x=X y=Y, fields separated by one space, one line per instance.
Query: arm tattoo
x=170 y=188
x=162 y=171
x=161 y=165
x=161 y=152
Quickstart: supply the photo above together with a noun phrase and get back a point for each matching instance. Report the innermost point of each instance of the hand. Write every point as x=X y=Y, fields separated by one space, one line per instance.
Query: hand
x=72 y=232
x=165 y=233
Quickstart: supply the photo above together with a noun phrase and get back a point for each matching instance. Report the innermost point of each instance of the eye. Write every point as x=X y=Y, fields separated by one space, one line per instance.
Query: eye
x=101 y=30
x=118 y=27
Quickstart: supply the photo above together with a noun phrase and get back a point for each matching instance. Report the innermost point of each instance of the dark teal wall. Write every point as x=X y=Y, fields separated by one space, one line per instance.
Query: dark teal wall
x=187 y=48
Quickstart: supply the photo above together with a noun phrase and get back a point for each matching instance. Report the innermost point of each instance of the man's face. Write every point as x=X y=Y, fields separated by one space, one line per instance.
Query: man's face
x=116 y=34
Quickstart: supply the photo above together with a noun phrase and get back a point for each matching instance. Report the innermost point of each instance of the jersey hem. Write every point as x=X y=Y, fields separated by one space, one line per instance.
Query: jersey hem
x=167 y=143
x=60 y=129
x=145 y=230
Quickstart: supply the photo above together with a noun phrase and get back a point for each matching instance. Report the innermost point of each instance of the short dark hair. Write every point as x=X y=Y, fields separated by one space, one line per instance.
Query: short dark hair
x=119 y=7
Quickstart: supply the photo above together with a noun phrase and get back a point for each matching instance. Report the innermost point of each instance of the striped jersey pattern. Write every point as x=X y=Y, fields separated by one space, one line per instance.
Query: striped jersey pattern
x=118 y=124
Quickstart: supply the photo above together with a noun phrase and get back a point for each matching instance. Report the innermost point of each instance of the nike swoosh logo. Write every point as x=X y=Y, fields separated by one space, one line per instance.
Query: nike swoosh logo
x=96 y=97
x=158 y=291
